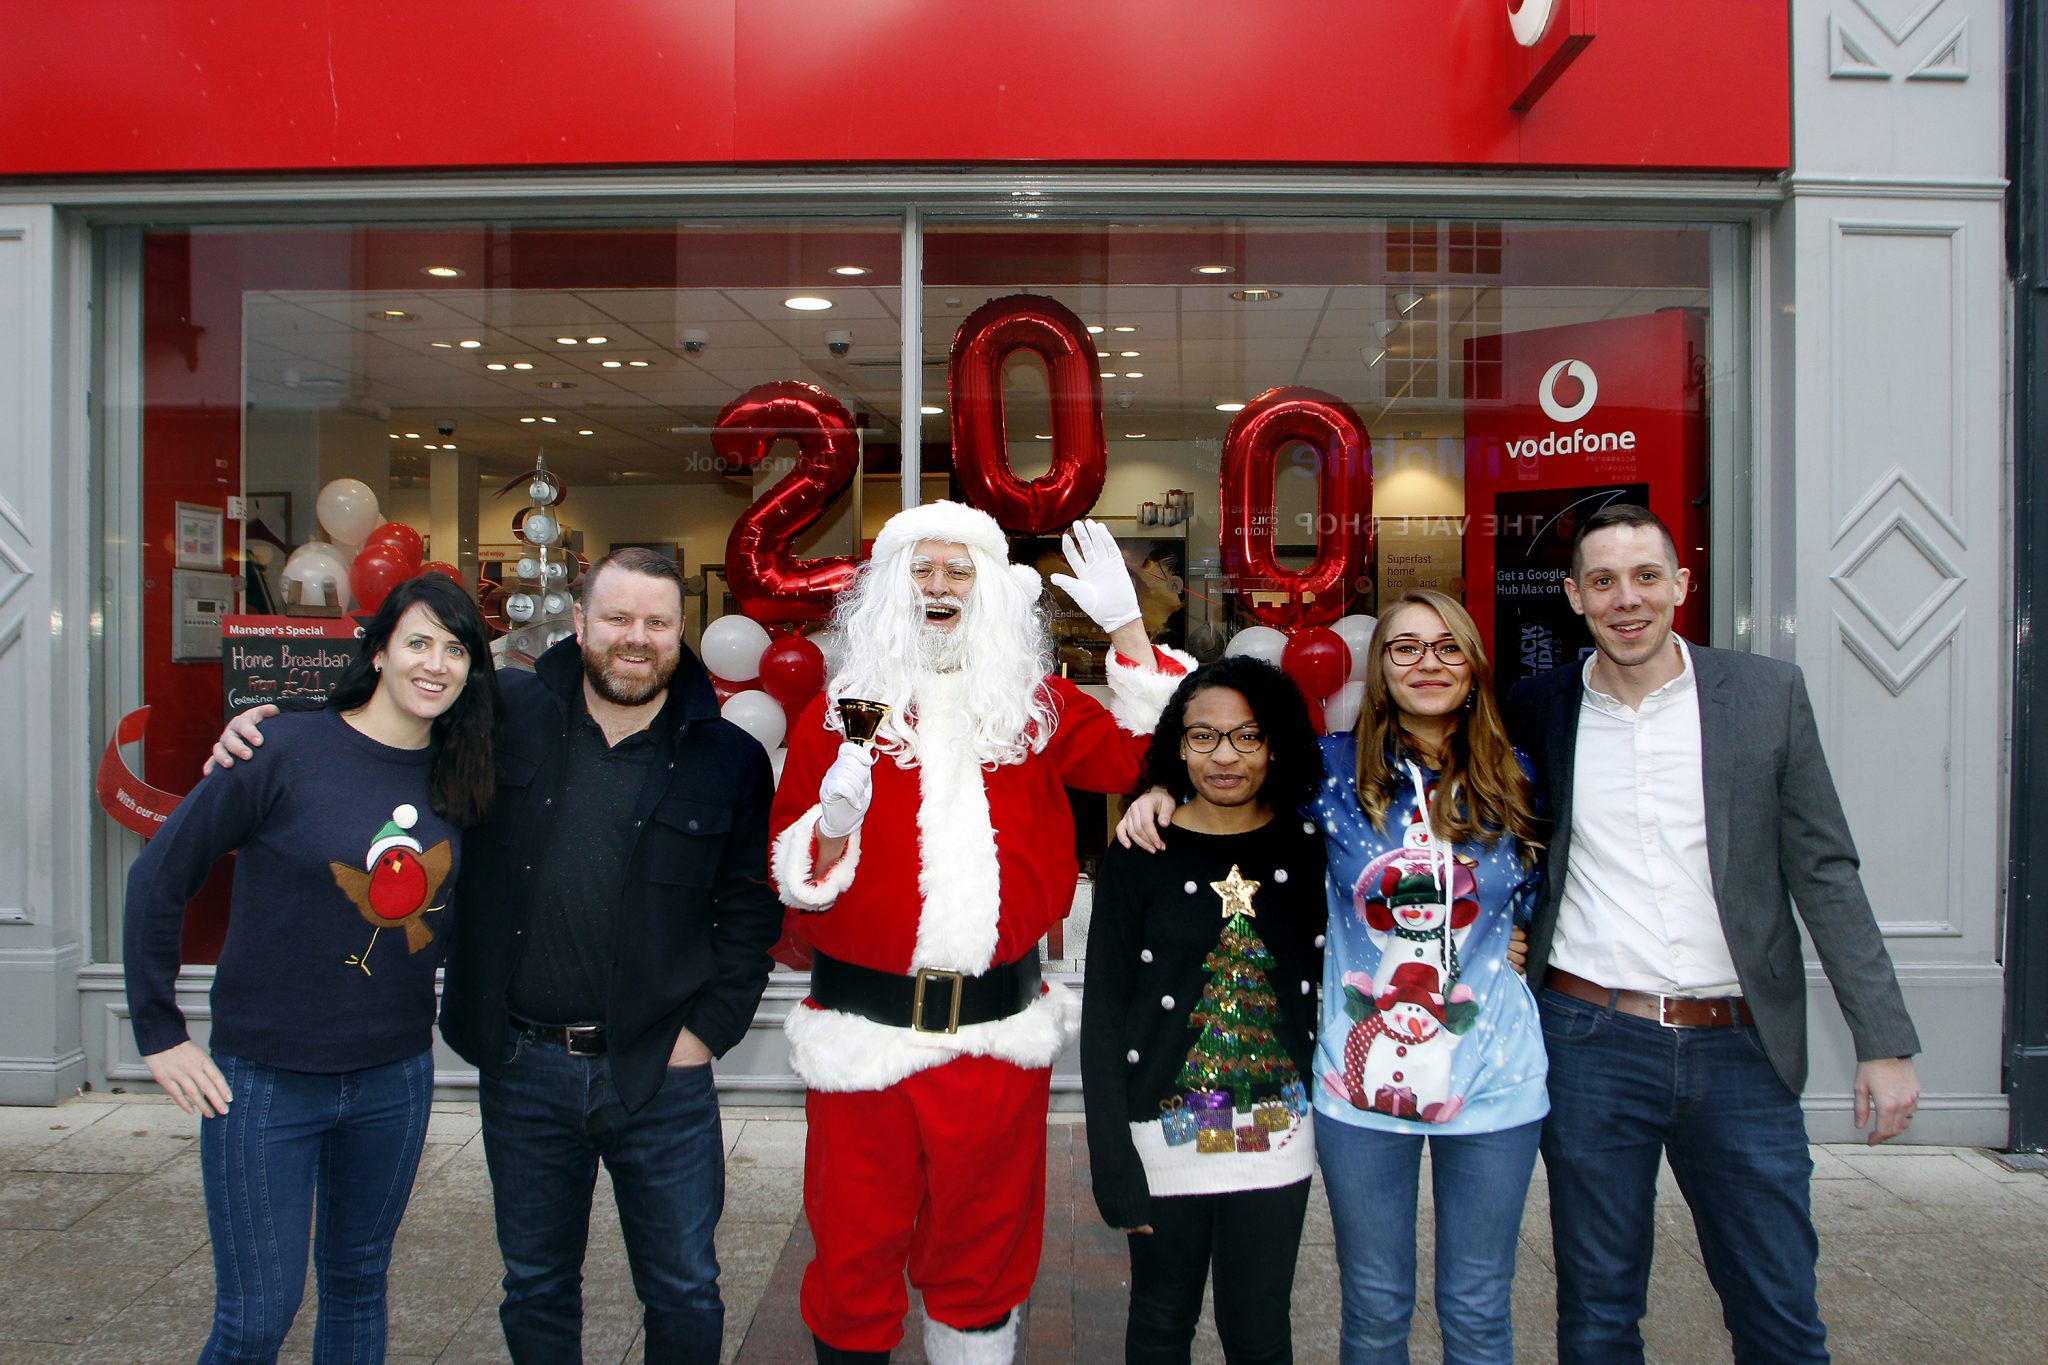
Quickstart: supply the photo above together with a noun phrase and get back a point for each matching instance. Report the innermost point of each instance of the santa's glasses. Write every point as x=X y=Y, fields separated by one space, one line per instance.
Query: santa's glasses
x=1246 y=739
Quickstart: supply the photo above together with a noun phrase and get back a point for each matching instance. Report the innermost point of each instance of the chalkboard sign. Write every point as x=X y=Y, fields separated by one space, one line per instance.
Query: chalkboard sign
x=273 y=658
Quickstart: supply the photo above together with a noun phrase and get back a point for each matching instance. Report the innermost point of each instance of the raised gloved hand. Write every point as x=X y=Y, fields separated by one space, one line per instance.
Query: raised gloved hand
x=1101 y=584
x=844 y=793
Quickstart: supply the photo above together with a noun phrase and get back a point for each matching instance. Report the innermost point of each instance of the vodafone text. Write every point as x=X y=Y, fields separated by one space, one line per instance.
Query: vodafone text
x=1574 y=442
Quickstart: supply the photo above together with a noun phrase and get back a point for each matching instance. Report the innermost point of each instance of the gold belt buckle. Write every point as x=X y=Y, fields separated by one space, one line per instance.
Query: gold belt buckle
x=924 y=976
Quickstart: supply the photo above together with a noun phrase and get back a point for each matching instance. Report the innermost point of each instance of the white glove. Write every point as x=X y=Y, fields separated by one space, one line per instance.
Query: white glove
x=844 y=794
x=1101 y=584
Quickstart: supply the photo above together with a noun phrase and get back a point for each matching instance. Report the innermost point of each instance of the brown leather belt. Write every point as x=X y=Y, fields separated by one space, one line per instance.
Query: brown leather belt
x=1672 y=1011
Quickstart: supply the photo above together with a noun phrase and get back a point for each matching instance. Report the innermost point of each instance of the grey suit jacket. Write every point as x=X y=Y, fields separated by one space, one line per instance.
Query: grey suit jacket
x=1776 y=836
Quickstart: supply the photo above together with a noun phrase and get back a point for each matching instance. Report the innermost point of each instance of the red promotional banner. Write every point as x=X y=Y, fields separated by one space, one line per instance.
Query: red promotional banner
x=1558 y=423
x=135 y=805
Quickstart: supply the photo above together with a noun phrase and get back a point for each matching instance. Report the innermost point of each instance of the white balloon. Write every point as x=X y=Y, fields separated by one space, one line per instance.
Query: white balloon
x=1260 y=642
x=1357 y=631
x=348 y=510
x=831 y=646
x=775 y=760
x=320 y=573
x=732 y=648
x=1340 y=712
x=760 y=715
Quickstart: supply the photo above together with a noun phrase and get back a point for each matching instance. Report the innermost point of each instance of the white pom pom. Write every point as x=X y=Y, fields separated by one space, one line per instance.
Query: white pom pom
x=405 y=817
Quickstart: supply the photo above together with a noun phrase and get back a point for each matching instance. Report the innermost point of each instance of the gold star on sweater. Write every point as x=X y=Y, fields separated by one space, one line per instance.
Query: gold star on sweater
x=1236 y=893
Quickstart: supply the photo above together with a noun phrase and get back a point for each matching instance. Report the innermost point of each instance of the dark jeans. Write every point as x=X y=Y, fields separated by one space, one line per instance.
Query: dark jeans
x=1478 y=1182
x=349 y=1142
x=548 y=1119
x=1624 y=1093
x=1253 y=1237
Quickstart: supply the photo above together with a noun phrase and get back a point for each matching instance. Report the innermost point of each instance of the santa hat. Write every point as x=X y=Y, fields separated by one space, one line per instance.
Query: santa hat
x=394 y=835
x=955 y=522
x=1410 y=887
x=1413 y=983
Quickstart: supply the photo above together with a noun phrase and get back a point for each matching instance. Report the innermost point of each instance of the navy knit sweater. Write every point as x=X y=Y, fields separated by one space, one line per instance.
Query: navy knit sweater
x=339 y=913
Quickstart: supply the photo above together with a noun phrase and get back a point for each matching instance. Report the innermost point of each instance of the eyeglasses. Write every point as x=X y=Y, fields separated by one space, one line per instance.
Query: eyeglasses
x=1246 y=738
x=922 y=570
x=1408 y=653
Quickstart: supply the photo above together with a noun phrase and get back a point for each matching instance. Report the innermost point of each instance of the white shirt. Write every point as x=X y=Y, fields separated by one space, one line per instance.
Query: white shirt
x=1638 y=911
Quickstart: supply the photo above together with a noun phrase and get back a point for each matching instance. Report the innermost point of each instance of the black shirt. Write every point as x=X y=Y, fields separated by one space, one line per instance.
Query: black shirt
x=580 y=874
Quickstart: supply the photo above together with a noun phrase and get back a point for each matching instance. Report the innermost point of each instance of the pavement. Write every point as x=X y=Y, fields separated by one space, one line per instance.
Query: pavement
x=1926 y=1253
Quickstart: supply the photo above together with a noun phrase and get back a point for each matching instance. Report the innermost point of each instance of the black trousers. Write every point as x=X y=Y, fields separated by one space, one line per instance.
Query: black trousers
x=1252 y=1238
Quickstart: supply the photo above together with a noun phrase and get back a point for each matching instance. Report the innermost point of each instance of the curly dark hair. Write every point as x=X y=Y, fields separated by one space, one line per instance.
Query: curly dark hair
x=1293 y=764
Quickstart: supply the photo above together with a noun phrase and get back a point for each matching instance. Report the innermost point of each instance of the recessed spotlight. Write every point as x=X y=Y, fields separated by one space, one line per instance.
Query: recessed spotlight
x=431 y=446
x=1255 y=295
x=549 y=420
x=412 y=436
x=1134 y=436
x=849 y=270
x=1230 y=407
x=1128 y=355
x=805 y=303
x=522 y=364
x=1109 y=374
x=931 y=410
x=568 y=341
x=637 y=364
x=595 y=341
x=469 y=343
x=586 y=432
x=1212 y=270
x=496 y=365
x=1134 y=374
x=611 y=364
x=1042 y=436
x=442 y=345
x=393 y=315
x=394 y=435
x=1094 y=331
x=1102 y=355
x=447 y=445
x=1127 y=328
x=529 y=419
x=443 y=272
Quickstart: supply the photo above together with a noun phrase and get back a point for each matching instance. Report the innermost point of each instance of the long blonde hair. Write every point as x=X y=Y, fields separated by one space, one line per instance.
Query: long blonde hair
x=1481 y=790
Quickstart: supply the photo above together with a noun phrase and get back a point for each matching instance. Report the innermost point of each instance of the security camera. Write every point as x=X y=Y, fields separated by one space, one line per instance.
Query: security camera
x=839 y=343
x=1125 y=397
x=695 y=340
x=445 y=425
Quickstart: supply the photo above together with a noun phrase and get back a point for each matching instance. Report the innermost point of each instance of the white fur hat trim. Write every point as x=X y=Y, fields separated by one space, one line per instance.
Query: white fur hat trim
x=949 y=521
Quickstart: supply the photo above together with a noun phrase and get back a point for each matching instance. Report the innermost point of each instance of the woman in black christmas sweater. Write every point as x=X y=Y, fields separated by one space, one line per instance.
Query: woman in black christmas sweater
x=1198 y=1018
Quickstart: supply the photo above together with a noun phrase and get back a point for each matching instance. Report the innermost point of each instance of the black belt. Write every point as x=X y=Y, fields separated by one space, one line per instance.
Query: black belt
x=930 y=1001
x=580 y=1040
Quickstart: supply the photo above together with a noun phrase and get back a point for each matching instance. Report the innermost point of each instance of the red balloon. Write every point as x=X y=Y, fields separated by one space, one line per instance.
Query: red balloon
x=792 y=670
x=445 y=570
x=373 y=575
x=1318 y=660
x=403 y=542
x=1322 y=592
x=1080 y=455
x=726 y=691
x=765 y=577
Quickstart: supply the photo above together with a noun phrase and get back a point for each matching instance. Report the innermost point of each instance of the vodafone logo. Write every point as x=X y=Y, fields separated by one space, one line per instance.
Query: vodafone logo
x=1529 y=20
x=1546 y=392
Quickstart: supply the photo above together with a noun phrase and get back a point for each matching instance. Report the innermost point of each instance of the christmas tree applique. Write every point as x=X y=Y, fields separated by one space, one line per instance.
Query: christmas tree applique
x=396 y=885
x=1236 y=1049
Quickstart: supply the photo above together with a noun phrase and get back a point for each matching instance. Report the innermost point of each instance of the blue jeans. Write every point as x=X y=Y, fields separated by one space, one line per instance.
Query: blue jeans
x=1625 y=1092
x=548 y=1119
x=1480 y=1181
x=350 y=1140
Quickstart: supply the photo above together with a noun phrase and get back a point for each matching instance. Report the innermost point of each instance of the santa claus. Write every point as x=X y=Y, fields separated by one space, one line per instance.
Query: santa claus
x=921 y=870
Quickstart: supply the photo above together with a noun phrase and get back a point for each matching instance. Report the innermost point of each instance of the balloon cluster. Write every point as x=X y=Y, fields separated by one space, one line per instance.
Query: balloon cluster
x=363 y=558
x=762 y=681
x=534 y=605
x=1326 y=662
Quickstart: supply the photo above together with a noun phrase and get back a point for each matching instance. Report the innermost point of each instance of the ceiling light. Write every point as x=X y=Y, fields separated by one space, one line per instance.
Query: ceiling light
x=637 y=364
x=443 y=272
x=1255 y=295
x=931 y=410
x=529 y=419
x=469 y=344
x=1093 y=330
x=496 y=365
x=611 y=364
x=595 y=341
x=1128 y=355
x=1102 y=355
x=445 y=445
x=522 y=364
x=394 y=435
x=1127 y=328
x=1407 y=300
x=567 y=341
x=442 y=345
x=393 y=315
x=1212 y=270
x=849 y=270
x=412 y=436
x=1042 y=436
x=805 y=303
x=1109 y=374
x=1134 y=374
x=586 y=432
x=1230 y=407
x=1134 y=436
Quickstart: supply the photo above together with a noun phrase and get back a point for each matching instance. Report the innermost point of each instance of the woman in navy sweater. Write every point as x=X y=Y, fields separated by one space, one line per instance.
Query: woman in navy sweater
x=321 y=1070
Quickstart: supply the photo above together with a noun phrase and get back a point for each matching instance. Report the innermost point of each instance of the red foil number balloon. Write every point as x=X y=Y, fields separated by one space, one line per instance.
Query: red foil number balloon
x=1080 y=456
x=1320 y=593
x=766 y=579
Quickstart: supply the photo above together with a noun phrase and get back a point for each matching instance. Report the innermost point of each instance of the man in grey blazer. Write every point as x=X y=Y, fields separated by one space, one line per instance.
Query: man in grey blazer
x=1691 y=809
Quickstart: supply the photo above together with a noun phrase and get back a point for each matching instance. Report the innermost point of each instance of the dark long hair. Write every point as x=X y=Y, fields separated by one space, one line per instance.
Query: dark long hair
x=464 y=774
x=1293 y=764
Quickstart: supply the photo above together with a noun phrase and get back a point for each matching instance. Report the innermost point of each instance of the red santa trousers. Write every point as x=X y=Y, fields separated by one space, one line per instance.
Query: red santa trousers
x=942 y=1173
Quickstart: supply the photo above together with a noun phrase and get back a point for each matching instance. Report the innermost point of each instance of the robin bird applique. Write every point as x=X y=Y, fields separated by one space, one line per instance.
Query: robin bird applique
x=396 y=884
